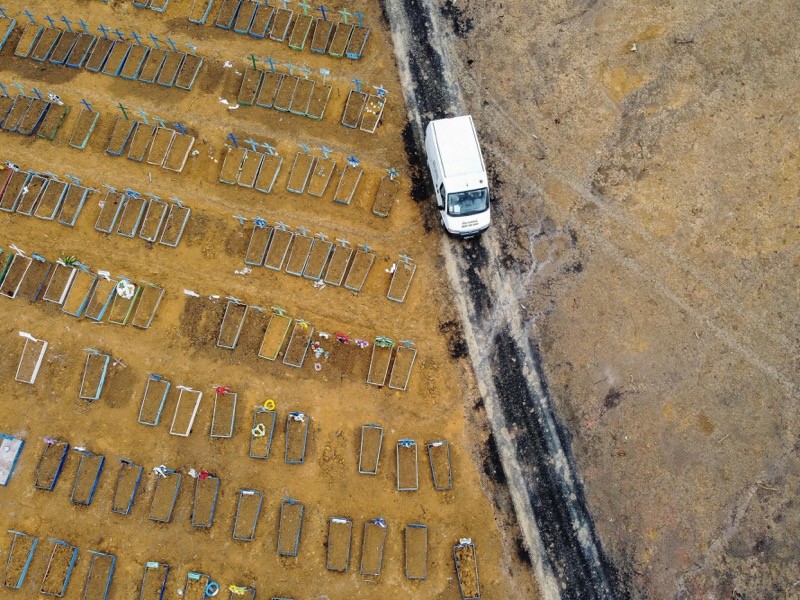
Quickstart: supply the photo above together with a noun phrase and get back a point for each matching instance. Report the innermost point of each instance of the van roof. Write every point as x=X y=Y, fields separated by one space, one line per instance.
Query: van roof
x=458 y=146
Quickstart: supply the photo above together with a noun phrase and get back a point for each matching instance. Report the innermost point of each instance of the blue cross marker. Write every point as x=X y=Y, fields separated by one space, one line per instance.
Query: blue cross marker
x=392 y=173
x=29 y=14
x=259 y=222
x=305 y=6
x=154 y=39
x=180 y=127
x=271 y=64
x=132 y=193
x=110 y=189
x=176 y=201
x=171 y=43
x=380 y=90
x=67 y=22
x=136 y=37
x=323 y=11
x=304 y=148
x=19 y=87
x=192 y=48
x=118 y=33
x=86 y=104
x=268 y=148
x=305 y=71
x=346 y=14
x=84 y=25
x=285 y=4
x=3 y=13
x=4 y=88
x=241 y=219
x=143 y=115
x=291 y=68
x=234 y=140
x=160 y=122
x=37 y=93
x=324 y=73
x=73 y=179
x=353 y=161
x=50 y=20
x=104 y=30
x=252 y=143
x=360 y=18
x=325 y=151
x=358 y=83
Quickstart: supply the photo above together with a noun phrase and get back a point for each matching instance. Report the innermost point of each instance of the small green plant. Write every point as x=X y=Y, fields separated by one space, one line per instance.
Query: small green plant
x=68 y=260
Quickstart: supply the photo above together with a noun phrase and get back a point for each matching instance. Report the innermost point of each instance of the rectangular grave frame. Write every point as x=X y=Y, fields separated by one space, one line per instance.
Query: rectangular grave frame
x=378 y=524
x=27 y=200
x=4 y=206
x=104 y=359
x=60 y=591
x=300 y=105
x=197 y=17
x=275 y=258
x=195 y=579
x=153 y=214
x=225 y=20
x=81 y=144
x=285 y=92
x=276 y=34
x=126 y=465
x=178 y=478
x=194 y=412
x=102 y=48
x=261 y=33
x=54 y=203
x=274 y=318
x=127 y=315
x=241 y=14
x=339 y=196
x=318 y=174
x=181 y=142
x=235 y=340
x=317 y=275
x=290 y=502
x=398 y=385
x=32 y=39
x=319 y=101
x=407 y=544
x=364 y=432
x=298 y=157
x=291 y=268
x=372 y=113
x=11 y=556
x=78 y=206
x=466 y=548
x=233 y=154
x=143 y=131
x=130 y=205
x=87 y=456
x=319 y=43
x=176 y=239
x=359 y=99
x=250 y=79
x=296 y=417
x=121 y=199
x=270 y=84
x=357 y=285
x=37 y=364
x=116 y=59
x=255 y=255
x=268 y=158
x=9 y=444
x=348 y=524
x=127 y=126
x=160 y=402
x=64 y=47
x=109 y=577
x=36 y=113
x=18 y=262
x=83 y=302
x=401 y=447
x=47 y=40
x=156 y=155
x=164 y=79
x=339 y=42
x=302 y=326
x=153 y=65
x=9 y=23
x=400 y=295
x=355 y=47
x=133 y=63
x=49 y=484
x=47 y=297
x=330 y=276
x=225 y=433
x=269 y=431
x=151 y=567
x=145 y=321
x=103 y=304
x=186 y=82
x=300 y=31
x=447 y=482
x=80 y=51
x=196 y=522
x=248 y=154
x=247 y=493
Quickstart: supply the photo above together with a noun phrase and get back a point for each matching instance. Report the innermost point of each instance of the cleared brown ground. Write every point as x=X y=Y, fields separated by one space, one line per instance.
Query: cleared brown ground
x=646 y=167
x=180 y=345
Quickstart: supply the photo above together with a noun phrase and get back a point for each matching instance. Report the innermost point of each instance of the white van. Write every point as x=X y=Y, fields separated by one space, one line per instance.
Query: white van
x=459 y=175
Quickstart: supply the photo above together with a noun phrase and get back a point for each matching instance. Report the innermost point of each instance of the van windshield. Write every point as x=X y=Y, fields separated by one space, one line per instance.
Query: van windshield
x=464 y=204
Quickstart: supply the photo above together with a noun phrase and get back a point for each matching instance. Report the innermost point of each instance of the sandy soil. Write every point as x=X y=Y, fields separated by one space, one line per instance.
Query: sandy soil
x=643 y=159
x=180 y=345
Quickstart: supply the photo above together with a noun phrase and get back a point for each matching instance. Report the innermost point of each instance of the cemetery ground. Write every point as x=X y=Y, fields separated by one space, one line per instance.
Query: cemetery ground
x=181 y=343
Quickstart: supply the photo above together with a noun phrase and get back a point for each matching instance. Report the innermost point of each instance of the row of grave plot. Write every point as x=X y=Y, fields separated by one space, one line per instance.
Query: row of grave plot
x=311 y=174
x=166 y=485
x=62 y=558
x=285 y=92
x=389 y=362
x=31 y=115
x=127 y=213
x=317 y=259
x=134 y=62
x=260 y=20
x=156 y=145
